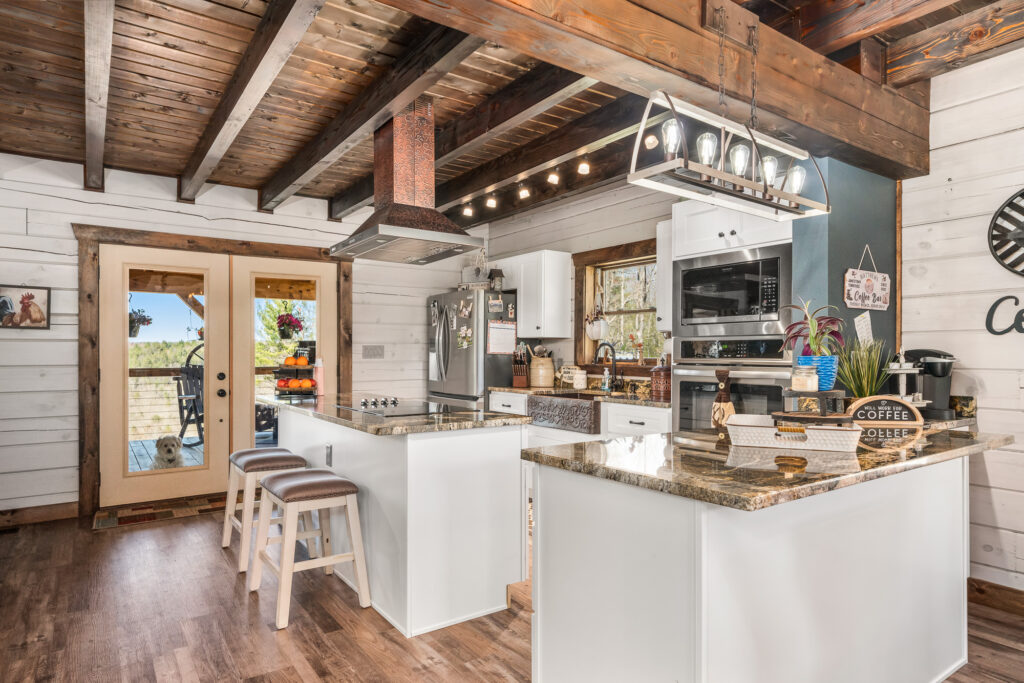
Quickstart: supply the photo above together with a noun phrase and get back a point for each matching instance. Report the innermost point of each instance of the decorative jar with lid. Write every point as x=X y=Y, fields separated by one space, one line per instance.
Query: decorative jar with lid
x=805 y=378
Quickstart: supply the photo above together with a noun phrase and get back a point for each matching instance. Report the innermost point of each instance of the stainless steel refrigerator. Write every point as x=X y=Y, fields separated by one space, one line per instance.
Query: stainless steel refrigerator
x=459 y=368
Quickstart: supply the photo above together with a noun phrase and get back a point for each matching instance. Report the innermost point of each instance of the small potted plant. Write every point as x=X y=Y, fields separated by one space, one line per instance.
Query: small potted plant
x=287 y=325
x=863 y=368
x=821 y=336
x=638 y=347
x=596 y=326
x=137 y=319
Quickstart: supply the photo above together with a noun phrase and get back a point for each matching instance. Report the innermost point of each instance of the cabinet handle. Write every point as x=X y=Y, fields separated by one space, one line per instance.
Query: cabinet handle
x=638 y=423
x=721 y=234
x=659 y=318
x=506 y=405
x=538 y=327
x=732 y=232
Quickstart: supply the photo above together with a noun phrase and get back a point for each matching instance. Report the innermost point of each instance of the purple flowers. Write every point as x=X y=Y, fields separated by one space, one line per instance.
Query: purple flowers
x=287 y=321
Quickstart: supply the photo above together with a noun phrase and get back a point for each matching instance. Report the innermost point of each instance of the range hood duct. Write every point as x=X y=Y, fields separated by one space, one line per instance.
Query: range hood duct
x=405 y=227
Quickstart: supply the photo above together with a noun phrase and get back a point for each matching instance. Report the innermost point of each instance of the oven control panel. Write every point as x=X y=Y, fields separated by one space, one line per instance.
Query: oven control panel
x=714 y=349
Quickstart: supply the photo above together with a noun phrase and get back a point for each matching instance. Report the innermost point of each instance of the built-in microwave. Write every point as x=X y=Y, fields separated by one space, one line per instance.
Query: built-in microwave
x=733 y=294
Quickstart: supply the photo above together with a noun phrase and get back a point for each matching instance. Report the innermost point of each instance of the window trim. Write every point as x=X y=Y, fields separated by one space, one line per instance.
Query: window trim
x=586 y=264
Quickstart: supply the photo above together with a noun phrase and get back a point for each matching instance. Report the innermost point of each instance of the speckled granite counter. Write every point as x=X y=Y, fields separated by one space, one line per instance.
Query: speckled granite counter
x=600 y=396
x=694 y=465
x=330 y=409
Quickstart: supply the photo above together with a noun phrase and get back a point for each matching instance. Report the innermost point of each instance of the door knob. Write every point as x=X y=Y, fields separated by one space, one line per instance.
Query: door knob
x=222 y=392
x=221 y=375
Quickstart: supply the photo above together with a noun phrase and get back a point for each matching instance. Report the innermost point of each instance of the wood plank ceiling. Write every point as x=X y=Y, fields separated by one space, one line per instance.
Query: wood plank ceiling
x=171 y=62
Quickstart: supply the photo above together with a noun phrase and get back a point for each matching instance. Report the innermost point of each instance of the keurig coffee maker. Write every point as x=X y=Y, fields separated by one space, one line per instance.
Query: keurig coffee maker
x=934 y=381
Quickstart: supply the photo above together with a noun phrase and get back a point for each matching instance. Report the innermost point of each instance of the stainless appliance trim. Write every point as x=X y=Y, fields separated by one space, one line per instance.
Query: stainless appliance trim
x=735 y=374
x=742 y=362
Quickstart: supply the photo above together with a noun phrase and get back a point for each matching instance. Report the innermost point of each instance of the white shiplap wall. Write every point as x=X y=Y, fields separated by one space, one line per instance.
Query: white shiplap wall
x=603 y=218
x=951 y=279
x=39 y=200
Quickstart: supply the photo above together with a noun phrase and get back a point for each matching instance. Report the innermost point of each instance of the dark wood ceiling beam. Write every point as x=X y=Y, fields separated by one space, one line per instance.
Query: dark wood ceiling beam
x=279 y=31
x=608 y=165
x=99 y=35
x=646 y=45
x=426 y=61
x=830 y=26
x=521 y=100
x=977 y=35
x=612 y=122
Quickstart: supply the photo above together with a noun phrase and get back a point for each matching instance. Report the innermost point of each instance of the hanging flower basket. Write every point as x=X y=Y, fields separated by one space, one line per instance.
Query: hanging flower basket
x=137 y=319
x=288 y=325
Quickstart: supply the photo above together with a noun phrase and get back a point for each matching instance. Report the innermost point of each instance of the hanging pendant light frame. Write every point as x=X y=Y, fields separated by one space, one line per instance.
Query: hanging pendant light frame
x=713 y=184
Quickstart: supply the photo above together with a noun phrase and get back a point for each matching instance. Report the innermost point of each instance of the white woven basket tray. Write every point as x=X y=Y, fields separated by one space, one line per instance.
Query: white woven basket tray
x=759 y=431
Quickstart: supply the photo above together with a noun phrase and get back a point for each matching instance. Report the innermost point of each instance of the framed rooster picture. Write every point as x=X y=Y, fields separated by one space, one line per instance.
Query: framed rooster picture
x=24 y=307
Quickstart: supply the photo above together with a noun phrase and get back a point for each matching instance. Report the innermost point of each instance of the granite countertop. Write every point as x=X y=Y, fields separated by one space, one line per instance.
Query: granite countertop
x=694 y=465
x=601 y=396
x=329 y=409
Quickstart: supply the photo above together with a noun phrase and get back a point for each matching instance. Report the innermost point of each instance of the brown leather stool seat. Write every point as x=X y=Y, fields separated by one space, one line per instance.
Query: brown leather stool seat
x=289 y=487
x=266 y=459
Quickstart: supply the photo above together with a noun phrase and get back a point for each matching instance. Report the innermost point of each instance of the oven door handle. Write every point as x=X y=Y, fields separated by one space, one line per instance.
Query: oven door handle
x=735 y=374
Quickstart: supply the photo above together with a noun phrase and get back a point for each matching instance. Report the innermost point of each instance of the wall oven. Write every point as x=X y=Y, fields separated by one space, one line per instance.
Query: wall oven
x=759 y=369
x=733 y=294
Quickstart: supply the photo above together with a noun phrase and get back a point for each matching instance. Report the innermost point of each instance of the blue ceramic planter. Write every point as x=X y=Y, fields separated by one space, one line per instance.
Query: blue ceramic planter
x=827 y=367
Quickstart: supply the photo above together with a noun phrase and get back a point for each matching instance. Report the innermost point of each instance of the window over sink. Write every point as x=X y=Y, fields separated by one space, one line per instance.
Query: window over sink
x=627 y=295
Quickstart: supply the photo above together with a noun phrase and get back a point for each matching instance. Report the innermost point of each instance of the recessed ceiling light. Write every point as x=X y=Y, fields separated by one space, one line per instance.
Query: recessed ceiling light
x=467 y=210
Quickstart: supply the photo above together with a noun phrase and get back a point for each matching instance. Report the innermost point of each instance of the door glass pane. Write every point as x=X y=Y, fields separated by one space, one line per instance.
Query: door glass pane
x=166 y=373
x=286 y=361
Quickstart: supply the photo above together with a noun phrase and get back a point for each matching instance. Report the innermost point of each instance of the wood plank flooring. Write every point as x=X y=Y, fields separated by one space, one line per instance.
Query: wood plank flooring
x=140 y=455
x=163 y=602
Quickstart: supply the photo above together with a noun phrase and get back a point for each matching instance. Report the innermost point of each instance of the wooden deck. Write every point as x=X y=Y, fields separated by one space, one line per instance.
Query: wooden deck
x=140 y=455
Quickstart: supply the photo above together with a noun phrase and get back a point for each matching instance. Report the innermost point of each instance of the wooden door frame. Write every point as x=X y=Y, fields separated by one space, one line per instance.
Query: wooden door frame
x=90 y=237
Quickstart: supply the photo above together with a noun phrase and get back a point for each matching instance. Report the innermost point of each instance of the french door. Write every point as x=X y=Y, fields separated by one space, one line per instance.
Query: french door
x=187 y=340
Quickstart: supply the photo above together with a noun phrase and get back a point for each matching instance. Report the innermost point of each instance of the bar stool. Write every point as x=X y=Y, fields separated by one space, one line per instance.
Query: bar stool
x=295 y=493
x=246 y=470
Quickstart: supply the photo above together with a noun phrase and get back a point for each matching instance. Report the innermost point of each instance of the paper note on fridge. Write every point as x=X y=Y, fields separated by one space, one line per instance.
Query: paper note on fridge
x=501 y=337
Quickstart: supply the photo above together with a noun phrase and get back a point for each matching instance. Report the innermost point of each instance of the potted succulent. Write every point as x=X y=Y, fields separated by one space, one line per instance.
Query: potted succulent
x=821 y=336
x=137 y=318
x=863 y=368
x=287 y=325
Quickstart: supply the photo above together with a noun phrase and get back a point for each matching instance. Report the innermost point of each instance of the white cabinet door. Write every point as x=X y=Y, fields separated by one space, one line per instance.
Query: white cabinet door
x=542 y=280
x=663 y=284
x=755 y=231
x=701 y=229
x=507 y=402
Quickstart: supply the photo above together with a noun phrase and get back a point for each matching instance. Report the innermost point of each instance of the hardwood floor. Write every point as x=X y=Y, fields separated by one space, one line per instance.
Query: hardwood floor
x=163 y=602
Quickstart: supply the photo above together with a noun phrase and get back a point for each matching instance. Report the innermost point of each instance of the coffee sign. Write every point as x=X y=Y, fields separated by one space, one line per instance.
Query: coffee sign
x=866 y=289
x=887 y=421
x=1018 y=319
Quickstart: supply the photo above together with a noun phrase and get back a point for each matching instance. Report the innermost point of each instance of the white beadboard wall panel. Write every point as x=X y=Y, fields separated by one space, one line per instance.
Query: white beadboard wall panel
x=950 y=280
x=39 y=200
x=603 y=218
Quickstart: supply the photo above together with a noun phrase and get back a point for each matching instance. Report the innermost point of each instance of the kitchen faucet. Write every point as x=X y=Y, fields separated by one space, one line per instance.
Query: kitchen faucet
x=597 y=355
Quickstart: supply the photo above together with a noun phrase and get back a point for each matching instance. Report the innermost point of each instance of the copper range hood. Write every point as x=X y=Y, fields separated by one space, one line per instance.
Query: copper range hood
x=405 y=227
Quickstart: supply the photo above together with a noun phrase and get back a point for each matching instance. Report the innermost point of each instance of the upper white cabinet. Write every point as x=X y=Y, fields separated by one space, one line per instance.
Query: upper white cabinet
x=542 y=280
x=663 y=283
x=699 y=229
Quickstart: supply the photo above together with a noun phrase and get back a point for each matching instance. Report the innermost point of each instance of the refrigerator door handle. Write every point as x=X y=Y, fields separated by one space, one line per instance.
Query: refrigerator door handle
x=442 y=327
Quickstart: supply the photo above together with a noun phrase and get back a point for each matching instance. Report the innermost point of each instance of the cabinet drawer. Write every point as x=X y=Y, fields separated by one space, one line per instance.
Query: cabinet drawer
x=636 y=420
x=507 y=402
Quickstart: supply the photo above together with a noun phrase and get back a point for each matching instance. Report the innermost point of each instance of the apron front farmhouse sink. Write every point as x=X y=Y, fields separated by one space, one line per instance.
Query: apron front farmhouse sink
x=573 y=412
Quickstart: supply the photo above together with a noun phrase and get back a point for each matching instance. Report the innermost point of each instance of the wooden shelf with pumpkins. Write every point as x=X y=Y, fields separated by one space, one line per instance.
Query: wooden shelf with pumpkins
x=295 y=375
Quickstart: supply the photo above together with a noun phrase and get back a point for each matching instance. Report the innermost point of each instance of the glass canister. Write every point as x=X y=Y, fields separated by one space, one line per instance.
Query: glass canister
x=805 y=378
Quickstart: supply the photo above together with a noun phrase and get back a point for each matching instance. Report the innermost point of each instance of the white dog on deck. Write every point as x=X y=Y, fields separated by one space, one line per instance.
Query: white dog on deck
x=168 y=453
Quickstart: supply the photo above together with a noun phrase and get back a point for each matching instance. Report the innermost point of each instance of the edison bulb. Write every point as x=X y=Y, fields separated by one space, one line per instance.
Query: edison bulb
x=796 y=178
x=739 y=155
x=769 y=168
x=707 y=145
x=672 y=134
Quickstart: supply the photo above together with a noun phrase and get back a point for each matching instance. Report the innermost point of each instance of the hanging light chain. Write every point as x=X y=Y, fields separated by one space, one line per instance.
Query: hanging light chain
x=753 y=76
x=720 y=24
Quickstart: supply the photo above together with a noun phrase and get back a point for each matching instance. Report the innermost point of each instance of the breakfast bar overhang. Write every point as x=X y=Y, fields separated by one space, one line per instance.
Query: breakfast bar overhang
x=674 y=558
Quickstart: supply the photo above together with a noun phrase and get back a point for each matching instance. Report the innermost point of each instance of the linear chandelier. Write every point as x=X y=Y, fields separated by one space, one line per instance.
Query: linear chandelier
x=730 y=169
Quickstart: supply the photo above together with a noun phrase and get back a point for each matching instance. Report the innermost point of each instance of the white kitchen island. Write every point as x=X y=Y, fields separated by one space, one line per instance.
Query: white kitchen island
x=439 y=503
x=673 y=558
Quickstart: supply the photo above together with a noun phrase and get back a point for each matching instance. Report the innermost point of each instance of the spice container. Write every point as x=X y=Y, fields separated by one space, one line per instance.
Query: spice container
x=805 y=378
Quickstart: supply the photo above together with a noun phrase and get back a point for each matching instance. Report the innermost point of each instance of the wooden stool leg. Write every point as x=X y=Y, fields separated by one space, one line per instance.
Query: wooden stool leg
x=229 y=505
x=262 y=534
x=324 y=514
x=359 y=559
x=248 y=508
x=284 y=585
x=307 y=525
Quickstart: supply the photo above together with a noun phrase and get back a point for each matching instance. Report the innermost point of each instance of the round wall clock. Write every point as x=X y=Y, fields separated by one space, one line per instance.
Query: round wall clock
x=1006 y=234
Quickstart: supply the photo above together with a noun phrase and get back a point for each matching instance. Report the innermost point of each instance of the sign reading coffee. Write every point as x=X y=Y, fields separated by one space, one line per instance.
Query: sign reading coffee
x=1006 y=242
x=1018 y=320
x=887 y=421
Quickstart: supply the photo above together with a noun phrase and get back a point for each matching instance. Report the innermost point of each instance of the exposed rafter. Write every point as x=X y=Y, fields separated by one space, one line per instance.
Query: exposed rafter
x=521 y=100
x=615 y=121
x=99 y=33
x=646 y=45
x=830 y=26
x=275 y=38
x=977 y=35
x=425 y=62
